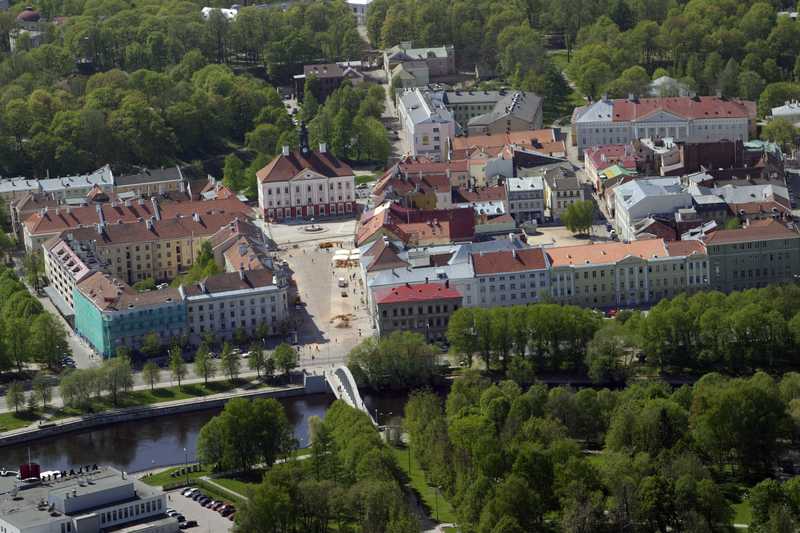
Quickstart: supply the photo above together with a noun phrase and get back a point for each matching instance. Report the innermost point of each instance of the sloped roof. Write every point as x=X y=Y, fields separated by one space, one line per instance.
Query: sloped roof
x=230 y=281
x=509 y=261
x=756 y=230
x=284 y=168
x=111 y=294
x=605 y=253
x=422 y=292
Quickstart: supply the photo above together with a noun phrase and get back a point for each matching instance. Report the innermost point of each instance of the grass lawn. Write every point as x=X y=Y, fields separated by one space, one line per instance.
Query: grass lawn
x=241 y=485
x=214 y=493
x=366 y=178
x=743 y=513
x=11 y=421
x=164 y=478
x=426 y=492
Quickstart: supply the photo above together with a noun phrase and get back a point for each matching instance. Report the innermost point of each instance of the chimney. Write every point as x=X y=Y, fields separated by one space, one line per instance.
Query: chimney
x=149 y=223
x=285 y=150
x=514 y=253
x=241 y=271
x=202 y=285
x=447 y=284
x=323 y=148
x=156 y=211
x=196 y=217
x=408 y=285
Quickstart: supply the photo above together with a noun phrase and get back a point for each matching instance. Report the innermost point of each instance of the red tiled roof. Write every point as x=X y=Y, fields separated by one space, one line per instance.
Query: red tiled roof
x=111 y=294
x=284 y=168
x=684 y=106
x=606 y=155
x=685 y=248
x=605 y=253
x=231 y=281
x=173 y=228
x=54 y=221
x=384 y=256
x=423 y=226
x=509 y=261
x=416 y=293
x=757 y=230
x=483 y=194
x=543 y=140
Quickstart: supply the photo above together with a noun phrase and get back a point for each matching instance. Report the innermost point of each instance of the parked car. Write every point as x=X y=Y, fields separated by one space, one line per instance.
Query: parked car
x=197 y=495
x=226 y=512
x=231 y=516
x=188 y=524
x=180 y=518
x=170 y=511
x=190 y=491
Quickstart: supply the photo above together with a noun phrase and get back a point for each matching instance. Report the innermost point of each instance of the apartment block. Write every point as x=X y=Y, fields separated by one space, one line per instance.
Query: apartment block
x=423 y=308
x=511 y=277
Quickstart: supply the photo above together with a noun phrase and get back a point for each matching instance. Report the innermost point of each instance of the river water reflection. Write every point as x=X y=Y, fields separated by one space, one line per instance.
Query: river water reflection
x=144 y=444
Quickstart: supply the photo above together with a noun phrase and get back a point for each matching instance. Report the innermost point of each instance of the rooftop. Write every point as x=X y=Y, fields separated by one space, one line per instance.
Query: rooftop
x=285 y=167
x=522 y=105
x=323 y=70
x=606 y=253
x=756 y=230
x=423 y=292
x=508 y=261
x=155 y=175
x=230 y=281
x=700 y=107
x=530 y=183
x=110 y=294
x=425 y=106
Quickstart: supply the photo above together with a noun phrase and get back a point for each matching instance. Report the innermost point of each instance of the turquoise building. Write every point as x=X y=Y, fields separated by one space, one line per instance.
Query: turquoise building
x=109 y=313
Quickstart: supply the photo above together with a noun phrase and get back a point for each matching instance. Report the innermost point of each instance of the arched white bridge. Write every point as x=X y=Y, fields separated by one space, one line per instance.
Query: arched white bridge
x=343 y=385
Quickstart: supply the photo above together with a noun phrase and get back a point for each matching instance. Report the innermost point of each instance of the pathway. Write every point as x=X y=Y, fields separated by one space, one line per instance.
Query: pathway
x=216 y=485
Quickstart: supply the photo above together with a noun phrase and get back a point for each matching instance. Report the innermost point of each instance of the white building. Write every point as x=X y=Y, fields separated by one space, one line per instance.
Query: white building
x=638 y=199
x=427 y=123
x=699 y=119
x=246 y=300
x=526 y=198
x=91 y=500
x=12 y=189
x=511 y=277
x=359 y=8
x=67 y=262
x=305 y=184
x=790 y=111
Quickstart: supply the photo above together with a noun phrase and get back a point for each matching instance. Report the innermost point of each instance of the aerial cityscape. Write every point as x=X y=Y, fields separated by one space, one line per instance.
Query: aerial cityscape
x=386 y=266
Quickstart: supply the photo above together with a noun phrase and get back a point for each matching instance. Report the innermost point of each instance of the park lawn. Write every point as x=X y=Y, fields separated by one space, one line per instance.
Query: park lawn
x=215 y=494
x=427 y=493
x=743 y=513
x=365 y=178
x=12 y=421
x=163 y=477
x=239 y=485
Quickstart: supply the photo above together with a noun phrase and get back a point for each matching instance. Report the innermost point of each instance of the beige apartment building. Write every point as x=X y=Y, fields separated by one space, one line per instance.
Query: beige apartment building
x=626 y=274
x=157 y=249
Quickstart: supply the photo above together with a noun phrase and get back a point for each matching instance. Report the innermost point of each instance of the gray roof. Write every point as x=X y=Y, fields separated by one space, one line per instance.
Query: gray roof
x=425 y=106
x=635 y=191
x=600 y=111
x=474 y=97
x=417 y=53
x=101 y=176
x=397 y=276
x=530 y=183
x=156 y=175
x=9 y=185
x=522 y=105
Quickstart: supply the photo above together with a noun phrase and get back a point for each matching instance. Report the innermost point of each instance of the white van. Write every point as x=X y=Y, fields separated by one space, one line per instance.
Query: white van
x=342 y=282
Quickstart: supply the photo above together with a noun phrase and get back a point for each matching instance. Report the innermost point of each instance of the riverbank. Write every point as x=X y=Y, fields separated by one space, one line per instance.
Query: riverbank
x=312 y=384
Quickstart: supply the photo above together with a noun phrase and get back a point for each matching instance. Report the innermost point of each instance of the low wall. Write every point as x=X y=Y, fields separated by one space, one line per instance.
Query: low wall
x=312 y=385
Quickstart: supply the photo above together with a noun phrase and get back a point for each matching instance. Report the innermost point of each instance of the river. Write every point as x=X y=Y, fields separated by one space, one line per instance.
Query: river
x=145 y=444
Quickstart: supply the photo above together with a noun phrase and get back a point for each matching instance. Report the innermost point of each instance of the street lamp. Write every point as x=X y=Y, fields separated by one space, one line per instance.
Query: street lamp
x=186 y=464
x=437 y=502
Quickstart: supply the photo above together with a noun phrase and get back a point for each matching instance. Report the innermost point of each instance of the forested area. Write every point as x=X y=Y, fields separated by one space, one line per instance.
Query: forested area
x=664 y=459
x=741 y=49
x=169 y=84
x=27 y=332
x=735 y=333
x=350 y=482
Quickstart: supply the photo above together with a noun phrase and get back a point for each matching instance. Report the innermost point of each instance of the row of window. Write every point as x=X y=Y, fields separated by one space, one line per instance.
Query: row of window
x=309 y=201
x=242 y=313
x=131 y=511
x=297 y=188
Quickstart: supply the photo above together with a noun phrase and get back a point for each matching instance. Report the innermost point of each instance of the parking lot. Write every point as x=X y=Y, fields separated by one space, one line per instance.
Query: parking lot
x=208 y=521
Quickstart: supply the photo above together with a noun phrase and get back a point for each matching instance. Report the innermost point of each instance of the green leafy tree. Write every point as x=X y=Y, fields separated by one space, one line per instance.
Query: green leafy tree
x=177 y=366
x=118 y=376
x=16 y=340
x=15 y=396
x=578 y=216
x=233 y=173
x=258 y=359
x=48 y=340
x=230 y=362
x=151 y=374
x=204 y=365
x=285 y=358
x=42 y=389
x=780 y=131
x=151 y=345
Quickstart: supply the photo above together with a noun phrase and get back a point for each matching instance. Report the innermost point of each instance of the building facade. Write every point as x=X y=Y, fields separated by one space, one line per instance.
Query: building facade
x=427 y=123
x=110 y=314
x=698 y=119
x=251 y=301
x=424 y=308
x=526 y=199
x=632 y=274
x=559 y=193
x=514 y=111
x=151 y=182
x=511 y=277
x=762 y=252
x=306 y=184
